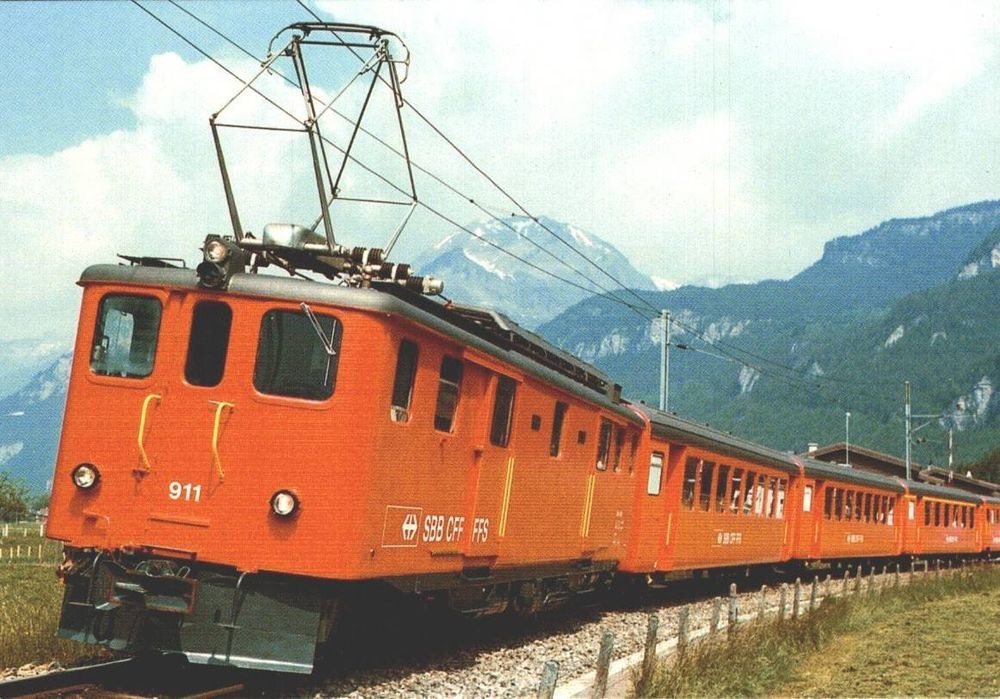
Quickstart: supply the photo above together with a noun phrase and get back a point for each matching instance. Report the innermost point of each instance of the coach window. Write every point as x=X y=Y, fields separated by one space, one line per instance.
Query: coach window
x=772 y=496
x=878 y=510
x=207 y=343
x=849 y=505
x=633 y=452
x=558 y=416
x=720 y=489
x=503 y=409
x=125 y=336
x=807 y=499
x=868 y=508
x=402 y=385
x=748 y=492
x=937 y=514
x=972 y=517
x=758 y=503
x=604 y=444
x=705 y=492
x=927 y=514
x=691 y=467
x=449 y=389
x=890 y=504
x=734 y=505
x=655 y=473
x=780 y=506
x=828 y=502
x=293 y=358
x=838 y=504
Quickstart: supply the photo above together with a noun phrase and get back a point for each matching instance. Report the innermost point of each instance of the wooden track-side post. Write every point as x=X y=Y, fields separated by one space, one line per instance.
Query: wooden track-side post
x=762 y=609
x=937 y=565
x=649 y=656
x=858 y=575
x=796 y=598
x=716 y=615
x=847 y=581
x=829 y=585
x=895 y=580
x=550 y=677
x=782 y=601
x=603 y=665
x=683 y=618
x=812 y=593
x=734 y=609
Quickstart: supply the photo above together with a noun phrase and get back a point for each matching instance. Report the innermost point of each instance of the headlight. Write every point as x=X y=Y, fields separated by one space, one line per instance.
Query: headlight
x=85 y=476
x=284 y=503
x=216 y=251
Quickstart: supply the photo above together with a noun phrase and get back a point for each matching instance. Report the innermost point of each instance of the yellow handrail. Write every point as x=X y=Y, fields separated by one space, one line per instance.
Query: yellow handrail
x=142 y=430
x=220 y=406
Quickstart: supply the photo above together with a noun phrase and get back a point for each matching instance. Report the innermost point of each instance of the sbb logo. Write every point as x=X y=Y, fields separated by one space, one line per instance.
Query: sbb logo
x=409 y=527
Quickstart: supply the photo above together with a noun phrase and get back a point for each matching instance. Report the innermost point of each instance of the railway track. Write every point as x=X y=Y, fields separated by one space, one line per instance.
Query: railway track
x=136 y=676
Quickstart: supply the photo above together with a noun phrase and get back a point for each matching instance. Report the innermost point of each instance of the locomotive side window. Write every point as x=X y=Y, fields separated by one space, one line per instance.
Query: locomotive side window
x=655 y=473
x=558 y=416
x=705 y=493
x=604 y=444
x=208 y=343
x=449 y=386
x=292 y=359
x=690 y=480
x=402 y=384
x=503 y=410
x=720 y=488
x=125 y=336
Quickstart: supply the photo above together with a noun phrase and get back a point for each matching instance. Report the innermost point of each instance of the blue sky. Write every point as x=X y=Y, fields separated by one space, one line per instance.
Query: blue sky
x=705 y=139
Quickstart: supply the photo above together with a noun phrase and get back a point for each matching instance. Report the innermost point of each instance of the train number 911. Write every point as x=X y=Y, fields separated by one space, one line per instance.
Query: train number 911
x=188 y=492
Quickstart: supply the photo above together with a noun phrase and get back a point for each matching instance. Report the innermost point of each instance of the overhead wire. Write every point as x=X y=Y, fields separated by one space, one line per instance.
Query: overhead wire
x=482 y=208
x=647 y=312
x=364 y=166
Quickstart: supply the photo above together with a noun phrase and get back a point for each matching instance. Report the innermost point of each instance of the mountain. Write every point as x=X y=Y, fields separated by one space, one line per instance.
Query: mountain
x=22 y=359
x=898 y=256
x=477 y=272
x=30 y=423
x=781 y=361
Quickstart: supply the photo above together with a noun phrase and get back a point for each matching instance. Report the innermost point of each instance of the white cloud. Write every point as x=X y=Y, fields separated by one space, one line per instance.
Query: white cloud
x=723 y=140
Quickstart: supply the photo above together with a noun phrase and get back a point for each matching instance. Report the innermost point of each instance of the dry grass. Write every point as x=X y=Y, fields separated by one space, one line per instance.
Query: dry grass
x=932 y=638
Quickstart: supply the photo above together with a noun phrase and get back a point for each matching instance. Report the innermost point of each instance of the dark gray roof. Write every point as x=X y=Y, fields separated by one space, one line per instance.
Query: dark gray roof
x=940 y=491
x=373 y=300
x=824 y=470
x=671 y=427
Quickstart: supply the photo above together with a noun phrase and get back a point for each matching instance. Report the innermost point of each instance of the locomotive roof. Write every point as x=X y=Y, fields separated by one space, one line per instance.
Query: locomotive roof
x=429 y=314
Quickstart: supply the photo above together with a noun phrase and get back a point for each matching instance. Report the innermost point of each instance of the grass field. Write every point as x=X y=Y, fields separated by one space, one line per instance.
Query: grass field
x=932 y=638
x=943 y=647
x=30 y=599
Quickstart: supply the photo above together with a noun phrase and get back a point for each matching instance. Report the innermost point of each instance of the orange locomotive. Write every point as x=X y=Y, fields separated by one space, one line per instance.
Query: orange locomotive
x=244 y=455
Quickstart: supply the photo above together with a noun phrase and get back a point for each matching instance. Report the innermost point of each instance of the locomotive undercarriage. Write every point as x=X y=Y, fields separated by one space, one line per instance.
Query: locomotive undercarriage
x=212 y=615
x=215 y=615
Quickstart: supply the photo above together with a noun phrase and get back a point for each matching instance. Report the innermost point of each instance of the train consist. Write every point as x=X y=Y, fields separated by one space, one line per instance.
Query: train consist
x=245 y=454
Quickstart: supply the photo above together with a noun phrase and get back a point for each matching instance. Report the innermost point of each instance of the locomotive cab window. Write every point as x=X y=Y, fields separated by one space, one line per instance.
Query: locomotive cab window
x=293 y=359
x=208 y=343
x=125 y=336
x=503 y=410
x=402 y=384
x=449 y=388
